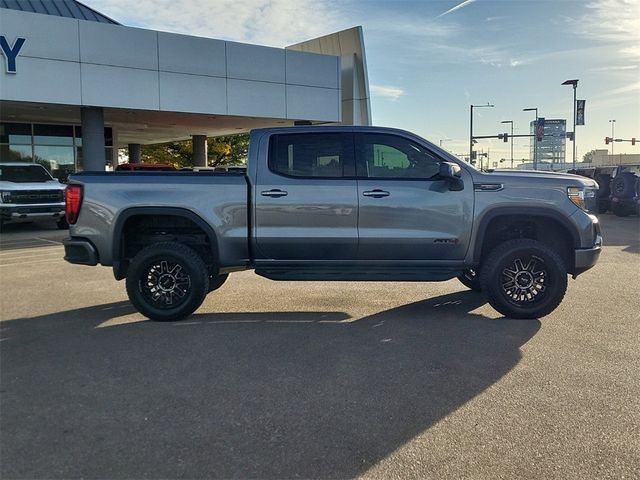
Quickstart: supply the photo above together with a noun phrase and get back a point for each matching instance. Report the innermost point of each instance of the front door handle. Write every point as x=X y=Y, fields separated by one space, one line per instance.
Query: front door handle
x=377 y=193
x=275 y=192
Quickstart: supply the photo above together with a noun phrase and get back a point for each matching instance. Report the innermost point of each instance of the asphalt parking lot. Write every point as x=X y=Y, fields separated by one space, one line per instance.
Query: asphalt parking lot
x=315 y=380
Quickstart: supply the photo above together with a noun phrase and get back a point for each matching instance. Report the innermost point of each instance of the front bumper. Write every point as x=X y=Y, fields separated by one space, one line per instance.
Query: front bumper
x=80 y=251
x=25 y=212
x=585 y=258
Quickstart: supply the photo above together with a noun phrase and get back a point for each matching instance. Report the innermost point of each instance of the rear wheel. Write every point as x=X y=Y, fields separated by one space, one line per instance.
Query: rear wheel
x=167 y=281
x=524 y=279
x=471 y=278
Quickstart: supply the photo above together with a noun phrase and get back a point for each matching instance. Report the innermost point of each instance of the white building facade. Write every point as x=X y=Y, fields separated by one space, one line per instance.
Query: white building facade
x=90 y=85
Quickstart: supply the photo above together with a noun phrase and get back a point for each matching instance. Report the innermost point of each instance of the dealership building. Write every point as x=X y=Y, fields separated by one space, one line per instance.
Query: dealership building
x=76 y=86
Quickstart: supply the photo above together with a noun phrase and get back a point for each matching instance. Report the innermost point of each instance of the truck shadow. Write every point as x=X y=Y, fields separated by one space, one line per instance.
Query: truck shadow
x=241 y=395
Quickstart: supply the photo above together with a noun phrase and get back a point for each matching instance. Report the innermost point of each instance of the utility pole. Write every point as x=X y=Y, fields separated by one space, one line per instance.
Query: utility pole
x=471 y=127
x=535 y=137
x=612 y=122
x=511 y=122
x=574 y=83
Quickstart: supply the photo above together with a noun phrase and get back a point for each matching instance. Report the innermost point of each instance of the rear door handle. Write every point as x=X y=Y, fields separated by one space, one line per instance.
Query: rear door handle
x=274 y=193
x=377 y=193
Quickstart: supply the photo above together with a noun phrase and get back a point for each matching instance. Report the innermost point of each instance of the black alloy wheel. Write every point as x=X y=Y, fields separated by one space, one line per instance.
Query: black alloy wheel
x=167 y=281
x=524 y=279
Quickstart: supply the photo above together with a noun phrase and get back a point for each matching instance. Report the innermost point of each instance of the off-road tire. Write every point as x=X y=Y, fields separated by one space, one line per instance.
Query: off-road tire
x=215 y=282
x=524 y=290
x=620 y=210
x=154 y=281
x=623 y=185
x=471 y=279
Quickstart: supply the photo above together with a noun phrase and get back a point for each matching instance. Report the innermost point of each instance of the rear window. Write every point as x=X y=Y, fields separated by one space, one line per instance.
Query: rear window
x=321 y=155
x=24 y=174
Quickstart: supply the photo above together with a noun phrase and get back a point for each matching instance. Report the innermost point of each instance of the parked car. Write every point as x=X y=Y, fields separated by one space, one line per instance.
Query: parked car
x=625 y=192
x=28 y=192
x=336 y=203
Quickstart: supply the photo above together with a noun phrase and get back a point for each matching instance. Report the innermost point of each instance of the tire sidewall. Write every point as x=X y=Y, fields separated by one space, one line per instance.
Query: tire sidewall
x=172 y=252
x=504 y=256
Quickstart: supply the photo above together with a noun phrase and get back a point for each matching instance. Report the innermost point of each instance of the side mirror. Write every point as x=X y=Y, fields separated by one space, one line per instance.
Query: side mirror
x=452 y=173
x=449 y=170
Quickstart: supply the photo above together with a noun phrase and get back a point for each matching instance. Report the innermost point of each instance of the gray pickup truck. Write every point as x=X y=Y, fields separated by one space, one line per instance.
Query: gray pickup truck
x=336 y=203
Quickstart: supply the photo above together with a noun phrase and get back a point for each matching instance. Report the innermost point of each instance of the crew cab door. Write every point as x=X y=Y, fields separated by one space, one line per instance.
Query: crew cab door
x=408 y=212
x=306 y=199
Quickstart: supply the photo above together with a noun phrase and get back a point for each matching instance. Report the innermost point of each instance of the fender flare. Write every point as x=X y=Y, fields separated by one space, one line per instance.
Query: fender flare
x=119 y=266
x=525 y=212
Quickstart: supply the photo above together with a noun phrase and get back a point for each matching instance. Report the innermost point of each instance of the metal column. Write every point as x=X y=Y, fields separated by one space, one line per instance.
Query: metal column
x=93 y=151
x=135 y=153
x=199 y=143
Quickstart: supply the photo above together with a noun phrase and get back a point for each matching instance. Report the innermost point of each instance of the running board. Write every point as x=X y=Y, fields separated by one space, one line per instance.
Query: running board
x=390 y=274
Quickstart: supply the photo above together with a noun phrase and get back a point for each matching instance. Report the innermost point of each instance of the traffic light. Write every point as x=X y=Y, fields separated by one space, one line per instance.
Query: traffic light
x=633 y=141
x=505 y=137
x=606 y=140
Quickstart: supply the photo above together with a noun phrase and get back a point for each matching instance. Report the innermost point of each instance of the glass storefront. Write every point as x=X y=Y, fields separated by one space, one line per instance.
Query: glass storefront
x=57 y=147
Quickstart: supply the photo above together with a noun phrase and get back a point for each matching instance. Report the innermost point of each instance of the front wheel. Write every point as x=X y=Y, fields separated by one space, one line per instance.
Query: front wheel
x=167 y=281
x=524 y=279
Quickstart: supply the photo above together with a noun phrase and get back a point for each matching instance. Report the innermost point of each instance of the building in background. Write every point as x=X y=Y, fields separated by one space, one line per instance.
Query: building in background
x=603 y=157
x=75 y=86
x=552 y=148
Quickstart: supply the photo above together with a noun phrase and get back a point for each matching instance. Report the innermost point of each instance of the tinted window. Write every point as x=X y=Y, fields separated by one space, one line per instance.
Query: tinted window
x=53 y=135
x=17 y=133
x=310 y=155
x=389 y=156
x=27 y=173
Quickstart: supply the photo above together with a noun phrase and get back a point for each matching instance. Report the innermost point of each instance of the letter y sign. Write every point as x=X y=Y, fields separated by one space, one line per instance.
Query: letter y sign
x=11 y=53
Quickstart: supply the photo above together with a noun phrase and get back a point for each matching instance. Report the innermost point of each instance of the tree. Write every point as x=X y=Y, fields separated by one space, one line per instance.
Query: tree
x=588 y=157
x=221 y=151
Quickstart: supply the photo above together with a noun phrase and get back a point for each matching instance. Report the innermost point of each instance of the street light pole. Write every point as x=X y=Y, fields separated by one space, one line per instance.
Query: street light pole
x=575 y=105
x=511 y=122
x=612 y=122
x=471 y=126
x=535 y=137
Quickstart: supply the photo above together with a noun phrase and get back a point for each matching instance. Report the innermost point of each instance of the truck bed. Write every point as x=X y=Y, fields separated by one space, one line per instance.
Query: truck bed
x=219 y=198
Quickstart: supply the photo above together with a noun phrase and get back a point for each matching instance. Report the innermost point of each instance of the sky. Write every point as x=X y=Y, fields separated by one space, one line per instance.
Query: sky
x=429 y=60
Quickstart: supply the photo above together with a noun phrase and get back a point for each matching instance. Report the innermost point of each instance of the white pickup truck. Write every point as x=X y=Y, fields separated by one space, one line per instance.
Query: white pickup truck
x=28 y=192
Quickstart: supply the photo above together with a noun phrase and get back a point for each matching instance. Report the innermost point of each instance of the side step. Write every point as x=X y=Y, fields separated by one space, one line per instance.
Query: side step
x=360 y=274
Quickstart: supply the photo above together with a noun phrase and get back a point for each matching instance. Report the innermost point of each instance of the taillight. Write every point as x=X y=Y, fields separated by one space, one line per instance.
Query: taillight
x=73 y=202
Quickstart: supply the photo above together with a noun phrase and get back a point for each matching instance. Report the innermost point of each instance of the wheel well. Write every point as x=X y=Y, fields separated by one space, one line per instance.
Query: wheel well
x=543 y=229
x=141 y=230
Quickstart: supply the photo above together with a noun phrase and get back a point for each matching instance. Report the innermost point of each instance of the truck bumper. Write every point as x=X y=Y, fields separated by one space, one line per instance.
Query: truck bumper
x=80 y=251
x=26 y=212
x=585 y=258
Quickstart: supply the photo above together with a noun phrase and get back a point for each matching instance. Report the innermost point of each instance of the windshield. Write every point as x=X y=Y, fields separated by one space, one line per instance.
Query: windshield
x=24 y=173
